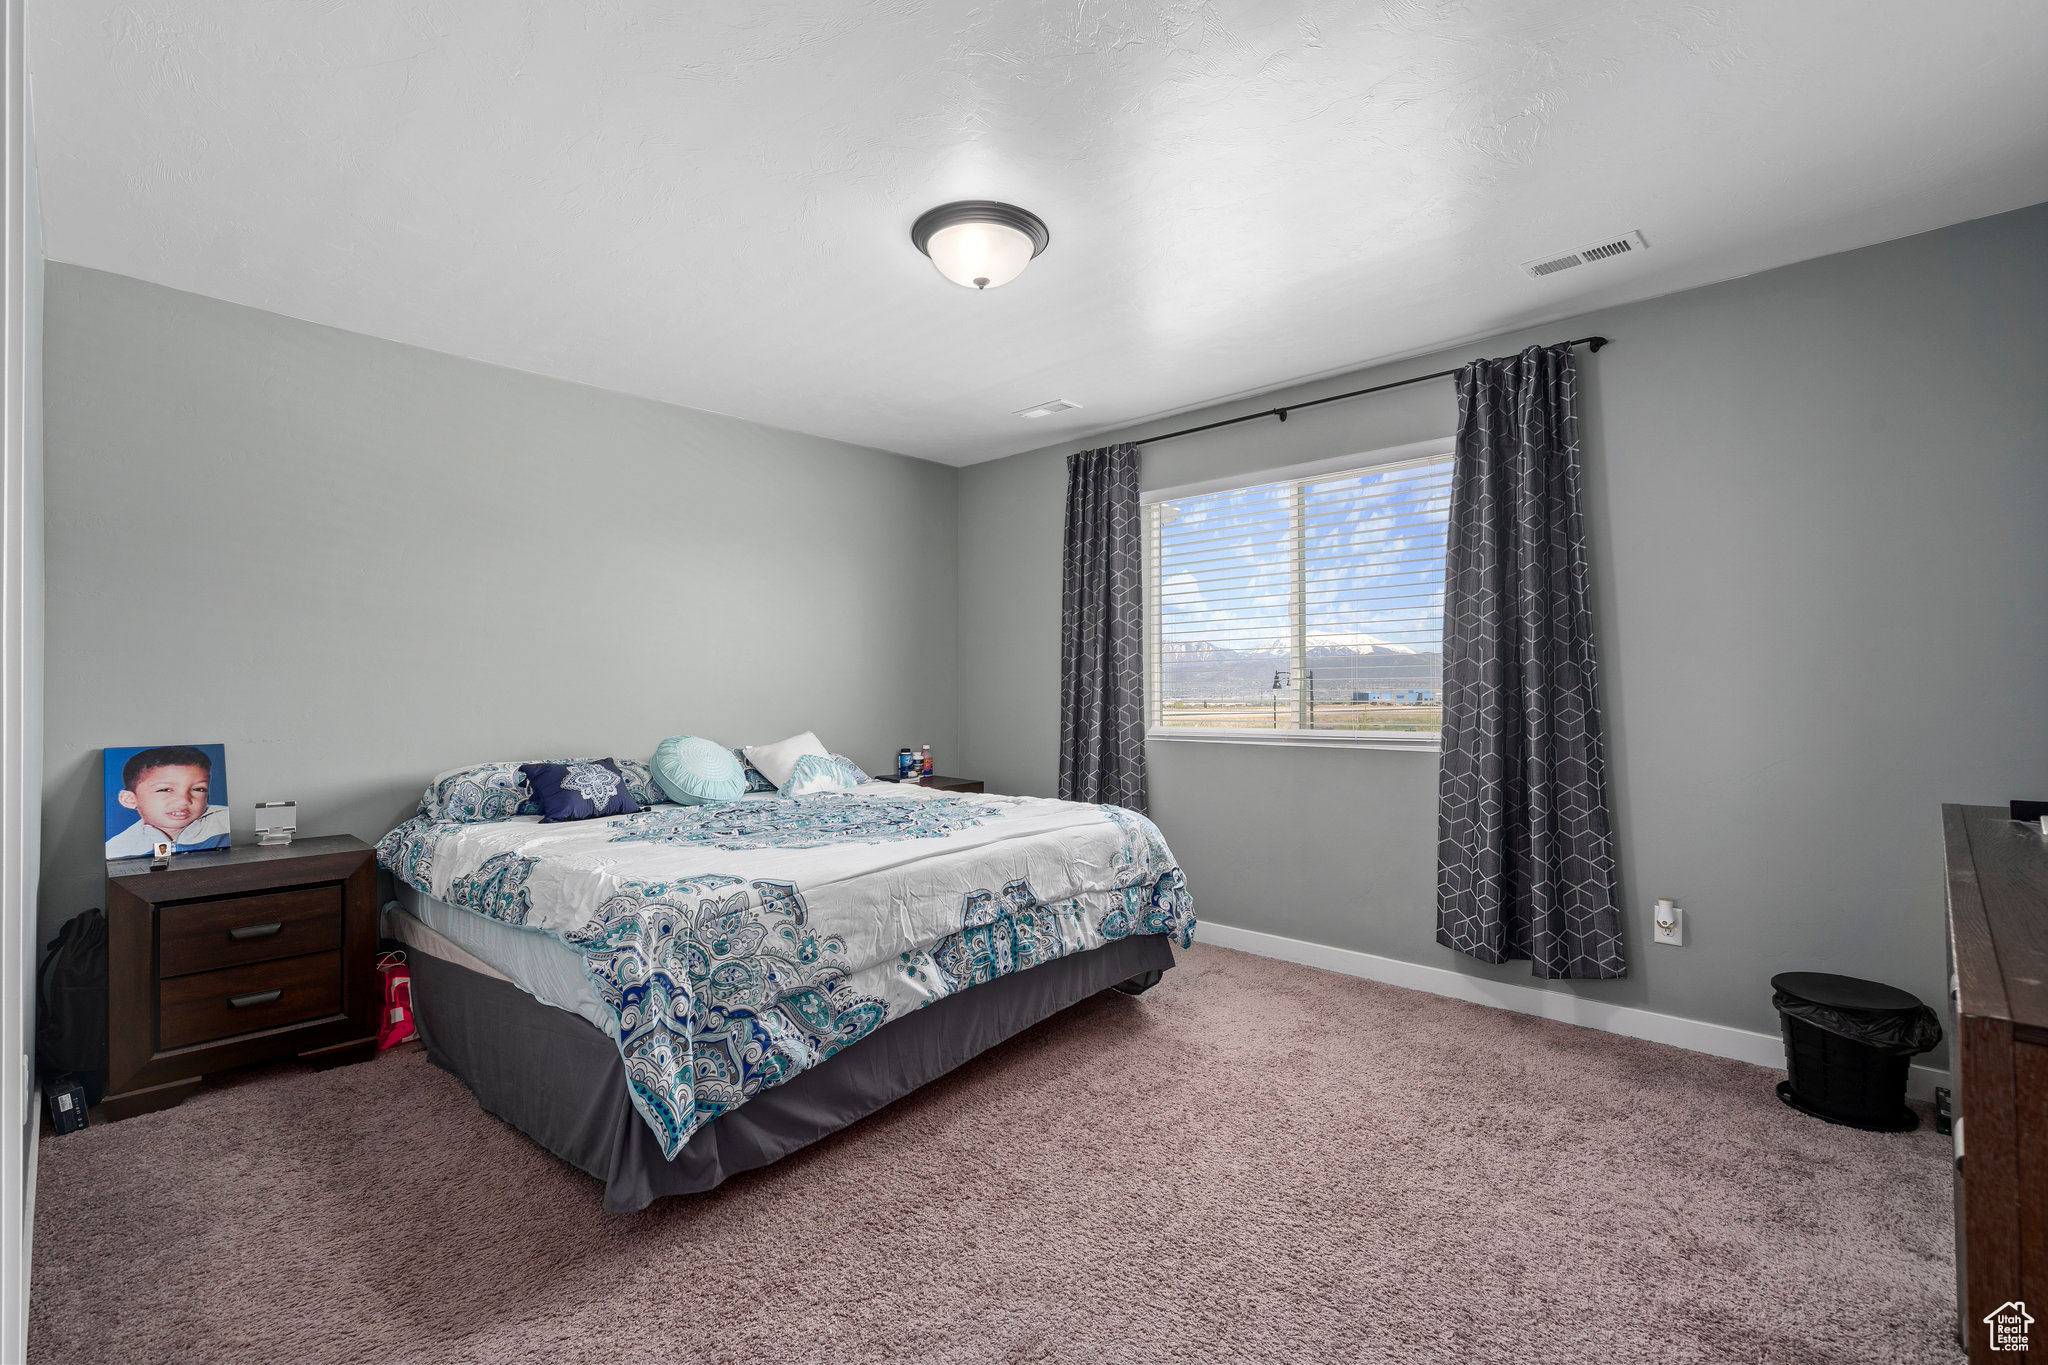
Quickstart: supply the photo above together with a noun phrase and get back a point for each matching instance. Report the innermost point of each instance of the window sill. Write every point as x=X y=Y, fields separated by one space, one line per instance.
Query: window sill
x=1308 y=739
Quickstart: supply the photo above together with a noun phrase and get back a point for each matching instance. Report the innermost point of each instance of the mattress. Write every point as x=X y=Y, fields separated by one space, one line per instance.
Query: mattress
x=543 y=966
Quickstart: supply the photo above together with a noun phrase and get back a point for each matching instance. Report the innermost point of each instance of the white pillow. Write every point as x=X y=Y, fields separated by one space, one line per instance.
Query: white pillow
x=777 y=761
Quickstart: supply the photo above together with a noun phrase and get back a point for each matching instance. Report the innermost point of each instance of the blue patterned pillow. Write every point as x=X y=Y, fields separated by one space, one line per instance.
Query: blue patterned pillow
x=483 y=791
x=756 y=781
x=852 y=768
x=499 y=791
x=640 y=783
x=580 y=790
x=811 y=774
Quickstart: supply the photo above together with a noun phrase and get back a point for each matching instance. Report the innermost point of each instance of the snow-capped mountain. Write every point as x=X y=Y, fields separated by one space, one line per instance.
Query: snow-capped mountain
x=1352 y=642
x=1344 y=663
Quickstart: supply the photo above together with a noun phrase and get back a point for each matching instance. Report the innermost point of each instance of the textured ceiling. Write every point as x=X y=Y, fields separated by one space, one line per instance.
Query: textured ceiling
x=710 y=205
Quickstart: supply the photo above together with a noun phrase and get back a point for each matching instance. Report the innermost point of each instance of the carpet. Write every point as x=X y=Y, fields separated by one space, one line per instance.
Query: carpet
x=1254 y=1162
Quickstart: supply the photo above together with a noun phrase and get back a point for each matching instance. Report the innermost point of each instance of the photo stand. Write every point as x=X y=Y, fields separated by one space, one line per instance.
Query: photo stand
x=276 y=823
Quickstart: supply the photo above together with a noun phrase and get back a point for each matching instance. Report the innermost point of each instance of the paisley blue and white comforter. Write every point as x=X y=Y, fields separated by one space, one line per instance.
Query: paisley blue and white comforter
x=736 y=945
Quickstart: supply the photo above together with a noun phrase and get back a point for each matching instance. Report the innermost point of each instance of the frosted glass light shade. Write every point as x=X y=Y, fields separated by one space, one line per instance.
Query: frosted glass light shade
x=980 y=244
x=979 y=255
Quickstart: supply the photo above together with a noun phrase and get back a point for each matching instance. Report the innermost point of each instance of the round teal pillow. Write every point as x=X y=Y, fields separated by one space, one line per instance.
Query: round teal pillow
x=696 y=772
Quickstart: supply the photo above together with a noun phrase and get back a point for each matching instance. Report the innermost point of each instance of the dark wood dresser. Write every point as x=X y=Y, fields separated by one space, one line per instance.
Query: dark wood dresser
x=233 y=957
x=1998 y=947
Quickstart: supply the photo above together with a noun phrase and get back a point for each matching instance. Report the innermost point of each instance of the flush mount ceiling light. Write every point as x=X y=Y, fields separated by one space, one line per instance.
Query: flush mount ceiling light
x=978 y=243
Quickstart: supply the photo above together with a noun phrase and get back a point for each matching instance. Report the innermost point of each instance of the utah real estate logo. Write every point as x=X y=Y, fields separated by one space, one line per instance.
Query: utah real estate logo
x=2008 y=1323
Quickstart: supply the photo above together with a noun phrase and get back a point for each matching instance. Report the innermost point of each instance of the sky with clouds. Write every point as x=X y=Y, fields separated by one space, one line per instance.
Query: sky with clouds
x=1373 y=546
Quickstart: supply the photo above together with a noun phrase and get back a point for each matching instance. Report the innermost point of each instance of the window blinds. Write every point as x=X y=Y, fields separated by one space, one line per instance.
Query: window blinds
x=1308 y=604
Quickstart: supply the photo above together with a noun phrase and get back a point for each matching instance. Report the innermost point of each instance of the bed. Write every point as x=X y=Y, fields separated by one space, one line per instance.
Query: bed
x=666 y=998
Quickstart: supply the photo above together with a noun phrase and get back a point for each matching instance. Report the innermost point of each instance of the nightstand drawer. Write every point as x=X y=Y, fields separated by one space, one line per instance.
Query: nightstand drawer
x=261 y=995
x=204 y=936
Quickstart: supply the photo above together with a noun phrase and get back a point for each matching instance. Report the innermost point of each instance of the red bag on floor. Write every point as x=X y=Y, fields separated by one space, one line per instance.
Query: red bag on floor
x=394 y=1026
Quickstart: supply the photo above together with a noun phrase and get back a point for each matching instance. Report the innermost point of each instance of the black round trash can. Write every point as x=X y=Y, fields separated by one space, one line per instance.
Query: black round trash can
x=1848 y=1044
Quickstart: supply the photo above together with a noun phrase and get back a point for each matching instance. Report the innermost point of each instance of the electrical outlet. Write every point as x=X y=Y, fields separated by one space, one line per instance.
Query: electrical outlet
x=1667 y=924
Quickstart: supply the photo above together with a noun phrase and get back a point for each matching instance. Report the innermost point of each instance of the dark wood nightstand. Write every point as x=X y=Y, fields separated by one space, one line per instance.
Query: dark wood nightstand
x=936 y=783
x=237 y=956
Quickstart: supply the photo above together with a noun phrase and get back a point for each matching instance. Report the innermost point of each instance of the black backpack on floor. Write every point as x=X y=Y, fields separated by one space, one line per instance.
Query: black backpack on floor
x=71 y=1005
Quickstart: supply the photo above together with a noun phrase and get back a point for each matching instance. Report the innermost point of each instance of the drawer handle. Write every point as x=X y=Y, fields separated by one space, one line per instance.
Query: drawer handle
x=242 y=1002
x=249 y=931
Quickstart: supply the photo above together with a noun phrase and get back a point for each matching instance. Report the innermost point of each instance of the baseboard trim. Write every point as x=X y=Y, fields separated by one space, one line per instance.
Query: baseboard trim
x=1694 y=1035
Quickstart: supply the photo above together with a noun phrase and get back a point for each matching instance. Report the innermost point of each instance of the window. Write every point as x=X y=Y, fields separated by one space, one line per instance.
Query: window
x=1304 y=607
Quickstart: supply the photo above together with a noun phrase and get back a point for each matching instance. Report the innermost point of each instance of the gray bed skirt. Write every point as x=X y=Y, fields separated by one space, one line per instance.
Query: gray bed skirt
x=560 y=1081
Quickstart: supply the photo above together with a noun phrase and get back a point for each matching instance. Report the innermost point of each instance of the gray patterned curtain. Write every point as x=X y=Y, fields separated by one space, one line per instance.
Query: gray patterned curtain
x=1102 y=632
x=1525 y=860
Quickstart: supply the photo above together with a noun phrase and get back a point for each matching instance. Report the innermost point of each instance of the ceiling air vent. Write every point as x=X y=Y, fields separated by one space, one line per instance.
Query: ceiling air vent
x=1585 y=255
x=1047 y=409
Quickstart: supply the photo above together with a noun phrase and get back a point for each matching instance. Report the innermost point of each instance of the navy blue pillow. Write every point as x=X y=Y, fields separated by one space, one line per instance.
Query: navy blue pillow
x=578 y=791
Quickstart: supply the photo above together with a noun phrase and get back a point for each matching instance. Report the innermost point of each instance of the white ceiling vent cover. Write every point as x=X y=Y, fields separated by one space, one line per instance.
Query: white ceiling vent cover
x=1048 y=408
x=1585 y=255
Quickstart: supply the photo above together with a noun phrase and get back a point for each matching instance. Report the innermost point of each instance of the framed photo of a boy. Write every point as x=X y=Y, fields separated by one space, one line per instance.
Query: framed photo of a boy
x=174 y=794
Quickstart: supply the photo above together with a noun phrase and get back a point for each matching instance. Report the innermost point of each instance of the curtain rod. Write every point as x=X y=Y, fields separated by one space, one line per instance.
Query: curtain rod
x=1590 y=343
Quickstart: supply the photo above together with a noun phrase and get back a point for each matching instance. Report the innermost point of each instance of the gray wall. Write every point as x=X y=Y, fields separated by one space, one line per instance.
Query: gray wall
x=357 y=563
x=1818 y=503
